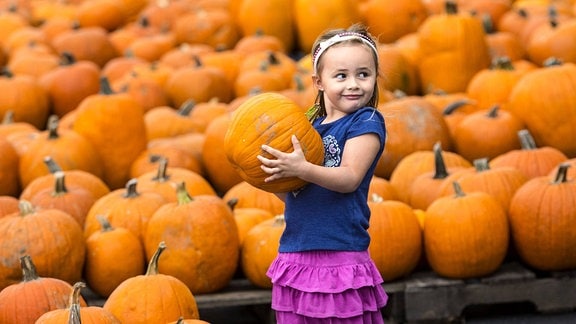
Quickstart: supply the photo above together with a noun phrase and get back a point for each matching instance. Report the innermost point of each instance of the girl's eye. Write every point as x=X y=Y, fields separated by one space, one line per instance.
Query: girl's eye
x=363 y=74
x=340 y=76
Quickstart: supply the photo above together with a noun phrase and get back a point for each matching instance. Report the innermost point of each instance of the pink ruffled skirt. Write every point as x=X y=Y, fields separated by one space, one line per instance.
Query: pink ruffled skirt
x=326 y=287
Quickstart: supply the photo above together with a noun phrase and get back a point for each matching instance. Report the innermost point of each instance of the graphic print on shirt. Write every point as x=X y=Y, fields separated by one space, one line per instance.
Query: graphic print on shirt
x=331 y=151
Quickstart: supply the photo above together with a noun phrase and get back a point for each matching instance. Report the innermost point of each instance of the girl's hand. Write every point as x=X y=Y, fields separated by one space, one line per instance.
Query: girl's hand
x=285 y=164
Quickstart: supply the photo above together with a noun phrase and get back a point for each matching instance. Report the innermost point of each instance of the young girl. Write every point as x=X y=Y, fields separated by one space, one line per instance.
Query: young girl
x=323 y=272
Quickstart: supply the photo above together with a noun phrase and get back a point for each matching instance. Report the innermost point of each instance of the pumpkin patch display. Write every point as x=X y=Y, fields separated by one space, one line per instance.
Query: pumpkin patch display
x=271 y=119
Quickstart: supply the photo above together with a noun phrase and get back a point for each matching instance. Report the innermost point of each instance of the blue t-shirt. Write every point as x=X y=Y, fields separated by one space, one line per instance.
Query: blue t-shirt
x=321 y=219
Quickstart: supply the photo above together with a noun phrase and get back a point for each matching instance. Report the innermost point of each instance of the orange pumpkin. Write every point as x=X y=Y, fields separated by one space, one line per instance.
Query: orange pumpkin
x=152 y=297
x=466 y=235
x=260 y=248
x=204 y=239
x=9 y=169
x=127 y=208
x=113 y=255
x=412 y=124
x=114 y=124
x=71 y=150
x=532 y=160
x=74 y=313
x=271 y=119
x=453 y=48
x=501 y=182
x=542 y=105
x=50 y=236
x=26 y=301
x=25 y=97
x=540 y=212
x=395 y=235
x=246 y=195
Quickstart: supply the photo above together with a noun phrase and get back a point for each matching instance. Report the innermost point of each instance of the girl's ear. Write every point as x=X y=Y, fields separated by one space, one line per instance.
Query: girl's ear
x=317 y=82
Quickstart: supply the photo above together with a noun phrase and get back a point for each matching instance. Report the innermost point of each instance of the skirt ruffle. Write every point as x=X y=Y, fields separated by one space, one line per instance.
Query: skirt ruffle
x=326 y=284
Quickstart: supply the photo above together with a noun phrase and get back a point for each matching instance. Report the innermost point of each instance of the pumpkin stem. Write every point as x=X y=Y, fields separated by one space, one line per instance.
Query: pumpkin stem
x=52 y=166
x=105 y=87
x=273 y=58
x=52 y=126
x=59 y=184
x=25 y=207
x=29 y=272
x=502 y=63
x=232 y=203
x=74 y=317
x=458 y=189
x=451 y=7
x=481 y=164
x=488 y=24
x=153 y=264
x=5 y=71
x=453 y=106
x=131 y=191
x=186 y=107
x=67 y=58
x=197 y=61
x=552 y=61
x=562 y=173
x=8 y=117
x=161 y=175
x=180 y=320
x=526 y=140
x=299 y=84
x=493 y=112
x=439 y=165
x=104 y=223
x=182 y=194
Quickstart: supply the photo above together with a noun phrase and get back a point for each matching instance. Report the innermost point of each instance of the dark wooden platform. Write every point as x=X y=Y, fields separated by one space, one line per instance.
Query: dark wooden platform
x=425 y=297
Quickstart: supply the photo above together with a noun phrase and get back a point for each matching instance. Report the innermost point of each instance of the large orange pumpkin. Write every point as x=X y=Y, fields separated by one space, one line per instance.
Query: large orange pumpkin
x=26 y=301
x=114 y=124
x=271 y=119
x=542 y=215
x=50 y=236
x=542 y=105
x=204 y=239
x=395 y=235
x=152 y=297
x=466 y=235
x=453 y=49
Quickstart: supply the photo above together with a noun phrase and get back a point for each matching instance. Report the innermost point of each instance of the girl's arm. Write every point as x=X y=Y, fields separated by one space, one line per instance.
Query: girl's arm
x=359 y=153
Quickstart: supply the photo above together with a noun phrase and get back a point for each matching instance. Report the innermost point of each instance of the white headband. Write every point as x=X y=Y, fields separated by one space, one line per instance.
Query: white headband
x=339 y=38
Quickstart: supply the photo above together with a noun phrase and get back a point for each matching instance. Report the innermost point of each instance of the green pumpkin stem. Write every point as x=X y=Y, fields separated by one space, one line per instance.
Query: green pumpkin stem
x=104 y=223
x=52 y=166
x=453 y=106
x=182 y=194
x=162 y=174
x=451 y=7
x=493 y=111
x=59 y=184
x=186 y=108
x=105 y=87
x=153 y=264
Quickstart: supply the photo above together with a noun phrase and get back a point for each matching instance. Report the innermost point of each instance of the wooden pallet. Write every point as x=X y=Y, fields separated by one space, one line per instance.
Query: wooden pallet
x=428 y=297
x=425 y=297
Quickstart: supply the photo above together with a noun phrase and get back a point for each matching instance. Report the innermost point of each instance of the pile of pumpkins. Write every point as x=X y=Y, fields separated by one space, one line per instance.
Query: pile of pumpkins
x=114 y=173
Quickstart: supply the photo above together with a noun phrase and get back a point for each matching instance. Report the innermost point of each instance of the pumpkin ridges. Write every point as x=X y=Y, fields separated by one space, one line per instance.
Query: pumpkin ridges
x=254 y=124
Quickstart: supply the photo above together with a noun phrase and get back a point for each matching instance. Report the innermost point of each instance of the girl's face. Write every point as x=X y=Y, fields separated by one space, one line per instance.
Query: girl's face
x=347 y=77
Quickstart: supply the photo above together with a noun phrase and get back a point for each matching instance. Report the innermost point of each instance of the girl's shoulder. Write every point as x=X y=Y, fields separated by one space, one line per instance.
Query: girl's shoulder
x=368 y=114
